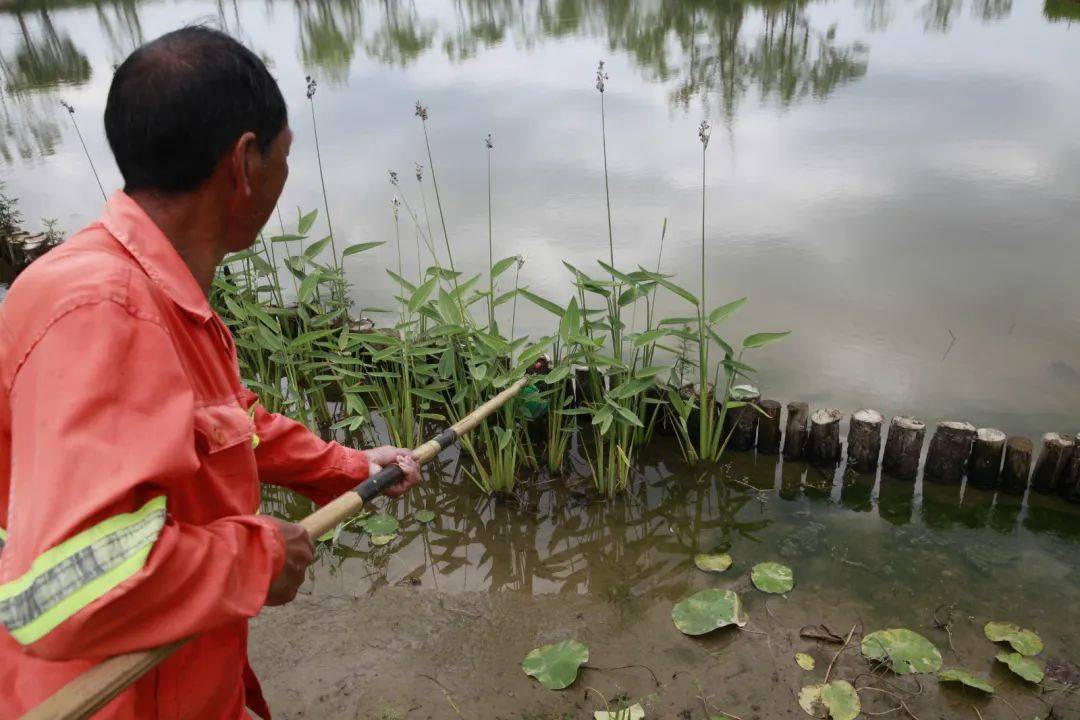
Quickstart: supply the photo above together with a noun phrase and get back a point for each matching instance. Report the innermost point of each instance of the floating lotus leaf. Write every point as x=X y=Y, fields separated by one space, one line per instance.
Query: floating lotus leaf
x=904 y=650
x=708 y=610
x=1023 y=641
x=634 y=712
x=381 y=525
x=712 y=562
x=963 y=676
x=1025 y=667
x=556 y=666
x=837 y=700
x=772 y=577
x=805 y=661
x=379 y=540
x=424 y=515
x=328 y=535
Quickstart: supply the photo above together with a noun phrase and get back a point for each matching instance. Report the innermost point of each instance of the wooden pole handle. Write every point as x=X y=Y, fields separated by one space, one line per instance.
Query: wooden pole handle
x=91 y=691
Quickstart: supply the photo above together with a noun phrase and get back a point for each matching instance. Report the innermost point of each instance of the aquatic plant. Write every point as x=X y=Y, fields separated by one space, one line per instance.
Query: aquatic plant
x=312 y=87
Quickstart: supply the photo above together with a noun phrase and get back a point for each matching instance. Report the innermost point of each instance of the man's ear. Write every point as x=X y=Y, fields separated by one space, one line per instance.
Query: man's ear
x=243 y=159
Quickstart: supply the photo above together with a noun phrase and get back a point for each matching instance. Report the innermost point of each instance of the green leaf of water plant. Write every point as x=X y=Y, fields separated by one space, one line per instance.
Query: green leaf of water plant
x=1023 y=641
x=421 y=294
x=542 y=302
x=503 y=265
x=904 y=650
x=805 y=661
x=360 y=247
x=379 y=540
x=556 y=666
x=308 y=286
x=1025 y=667
x=963 y=676
x=312 y=250
x=712 y=562
x=758 y=339
x=424 y=515
x=723 y=311
x=634 y=712
x=837 y=700
x=381 y=524
x=306 y=221
x=772 y=577
x=708 y=610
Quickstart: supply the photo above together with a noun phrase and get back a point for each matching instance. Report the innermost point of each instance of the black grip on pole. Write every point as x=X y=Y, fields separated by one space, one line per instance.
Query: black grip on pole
x=379 y=482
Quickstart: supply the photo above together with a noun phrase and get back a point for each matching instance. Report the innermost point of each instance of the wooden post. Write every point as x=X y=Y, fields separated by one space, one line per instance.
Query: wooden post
x=864 y=440
x=795 y=436
x=1054 y=458
x=1070 y=485
x=1017 y=467
x=903 y=447
x=825 y=435
x=949 y=451
x=984 y=468
x=742 y=422
x=768 y=441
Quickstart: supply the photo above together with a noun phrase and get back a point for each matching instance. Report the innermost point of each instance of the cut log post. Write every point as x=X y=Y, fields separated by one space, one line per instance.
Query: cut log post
x=1070 y=485
x=796 y=433
x=741 y=423
x=984 y=468
x=1017 y=467
x=768 y=441
x=864 y=440
x=949 y=451
x=825 y=435
x=903 y=447
x=1054 y=458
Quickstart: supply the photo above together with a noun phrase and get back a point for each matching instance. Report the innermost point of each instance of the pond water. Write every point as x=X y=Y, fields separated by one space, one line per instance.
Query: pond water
x=884 y=175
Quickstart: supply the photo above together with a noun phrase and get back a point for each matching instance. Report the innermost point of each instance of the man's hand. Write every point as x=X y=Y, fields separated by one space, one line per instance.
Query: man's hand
x=380 y=457
x=299 y=553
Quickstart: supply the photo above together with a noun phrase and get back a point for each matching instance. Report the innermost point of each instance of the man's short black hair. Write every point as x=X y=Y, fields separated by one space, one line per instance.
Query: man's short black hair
x=178 y=103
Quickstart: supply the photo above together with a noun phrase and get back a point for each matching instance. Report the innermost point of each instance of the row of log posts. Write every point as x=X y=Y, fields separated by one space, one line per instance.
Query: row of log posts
x=987 y=457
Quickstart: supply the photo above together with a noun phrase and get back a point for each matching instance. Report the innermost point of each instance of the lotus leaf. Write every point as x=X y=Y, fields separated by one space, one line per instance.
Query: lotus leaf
x=634 y=712
x=805 y=661
x=708 y=610
x=905 y=651
x=1025 y=667
x=772 y=577
x=379 y=540
x=424 y=516
x=381 y=525
x=1022 y=640
x=837 y=700
x=712 y=562
x=556 y=666
x=963 y=676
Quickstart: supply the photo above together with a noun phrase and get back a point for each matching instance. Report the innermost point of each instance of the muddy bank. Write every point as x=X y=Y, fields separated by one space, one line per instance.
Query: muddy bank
x=411 y=652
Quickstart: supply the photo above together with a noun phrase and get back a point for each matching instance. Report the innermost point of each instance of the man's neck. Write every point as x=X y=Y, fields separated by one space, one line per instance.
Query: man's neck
x=191 y=223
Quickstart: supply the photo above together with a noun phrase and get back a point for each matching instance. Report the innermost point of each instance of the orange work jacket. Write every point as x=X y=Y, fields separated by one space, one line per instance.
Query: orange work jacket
x=129 y=480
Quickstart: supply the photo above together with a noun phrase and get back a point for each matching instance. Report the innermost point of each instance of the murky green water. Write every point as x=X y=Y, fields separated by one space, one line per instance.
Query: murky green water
x=882 y=172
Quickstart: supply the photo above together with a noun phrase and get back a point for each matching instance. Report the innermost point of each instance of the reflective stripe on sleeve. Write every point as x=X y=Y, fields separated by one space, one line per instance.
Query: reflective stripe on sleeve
x=67 y=578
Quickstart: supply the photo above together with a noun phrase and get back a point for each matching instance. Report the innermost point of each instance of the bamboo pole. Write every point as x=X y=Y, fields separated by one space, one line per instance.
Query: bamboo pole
x=88 y=693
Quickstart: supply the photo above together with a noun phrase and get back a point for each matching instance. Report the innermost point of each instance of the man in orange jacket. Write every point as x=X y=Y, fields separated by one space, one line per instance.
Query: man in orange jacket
x=133 y=455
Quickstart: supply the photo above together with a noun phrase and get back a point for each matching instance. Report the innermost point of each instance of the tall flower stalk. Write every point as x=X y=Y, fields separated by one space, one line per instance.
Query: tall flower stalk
x=704 y=394
x=312 y=86
x=490 y=144
x=616 y=325
x=74 y=124
x=422 y=113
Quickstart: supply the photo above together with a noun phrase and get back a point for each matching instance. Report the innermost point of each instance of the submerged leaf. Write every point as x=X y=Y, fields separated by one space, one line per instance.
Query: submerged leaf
x=634 y=712
x=1025 y=667
x=904 y=650
x=708 y=610
x=424 y=515
x=556 y=666
x=837 y=700
x=805 y=661
x=963 y=676
x=1023 y=641
x=772 y=577
x=712 y=562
